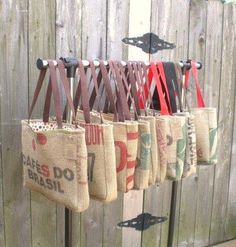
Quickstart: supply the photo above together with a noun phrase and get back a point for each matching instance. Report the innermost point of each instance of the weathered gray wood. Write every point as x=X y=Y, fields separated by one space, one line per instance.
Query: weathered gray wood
x=93 y=46
x=2 y=222
x=117 y=28
x=42 y=44
x=68 y=44
x=230 y=224
x=226 y=110
x=14 y=104
x=174 y=30
x=2 y=218
x=139 y=24
x=188 y=200
x=158 y=200
x=211 y=92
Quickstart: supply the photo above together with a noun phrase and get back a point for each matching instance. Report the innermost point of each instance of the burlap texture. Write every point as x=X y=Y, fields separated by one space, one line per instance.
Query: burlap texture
x=55 y=162
x=206 y=134
x=101 y=158
x=126 y=144
x=154 y=155
x=141 y=174
x=190 y=164
x=176 y=145
x=161 y=131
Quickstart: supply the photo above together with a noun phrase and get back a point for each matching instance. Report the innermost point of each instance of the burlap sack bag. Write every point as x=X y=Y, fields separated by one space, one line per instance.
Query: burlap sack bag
x=175 y=127
x=125 y=131
x=101 y=150
x=54 y=154
x=190 y=163
x=142 y=170
x=136 y=75
x=176 y=145
x=205 y=120
x=161 y=131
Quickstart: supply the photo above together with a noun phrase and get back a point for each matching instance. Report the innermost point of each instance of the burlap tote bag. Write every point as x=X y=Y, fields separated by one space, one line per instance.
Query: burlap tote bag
x=100 y=145
x=143 y=160
x=171 y=130
x=54 y=153
x=125 y=130
x=205 y=121
x=145 y=175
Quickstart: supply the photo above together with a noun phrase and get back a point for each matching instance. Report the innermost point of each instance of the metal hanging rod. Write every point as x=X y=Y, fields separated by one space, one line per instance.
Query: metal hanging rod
x=68 y=62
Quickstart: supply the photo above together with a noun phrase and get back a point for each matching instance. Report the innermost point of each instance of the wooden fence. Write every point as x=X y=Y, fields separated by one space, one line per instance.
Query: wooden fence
x=203 y=30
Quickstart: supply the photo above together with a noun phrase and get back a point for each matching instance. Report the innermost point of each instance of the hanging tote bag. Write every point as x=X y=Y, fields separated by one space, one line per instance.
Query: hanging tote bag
x=143 y=160
x=125 y=130
x=100 y=146
x=137 y=73
x=205 y=121
x=173 y=131
x=54 y=153
x=174 y=85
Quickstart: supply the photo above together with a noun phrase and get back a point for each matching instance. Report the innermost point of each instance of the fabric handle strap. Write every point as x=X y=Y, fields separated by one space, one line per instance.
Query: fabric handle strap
x=153 y=73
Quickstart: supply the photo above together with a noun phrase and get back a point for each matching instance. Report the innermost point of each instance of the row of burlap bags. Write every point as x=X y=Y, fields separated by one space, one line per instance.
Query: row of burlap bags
x=117 y=141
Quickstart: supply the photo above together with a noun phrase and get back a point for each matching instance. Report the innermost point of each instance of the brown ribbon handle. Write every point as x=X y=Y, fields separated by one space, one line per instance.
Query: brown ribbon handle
x=96 y=81
x=84 y=92
x=121 y=97
x=108 y=89
x=39 y=84
x=132 y=82
x=56 y=96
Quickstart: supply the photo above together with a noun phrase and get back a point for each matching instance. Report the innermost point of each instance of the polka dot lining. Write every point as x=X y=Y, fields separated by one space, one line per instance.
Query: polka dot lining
x=41 y=126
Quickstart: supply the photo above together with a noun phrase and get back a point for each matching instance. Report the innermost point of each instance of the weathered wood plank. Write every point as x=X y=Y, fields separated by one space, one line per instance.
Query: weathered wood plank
x=68 y=44
x=230 y=224
x=157 y=200
x=41 y=41
x=139 y=23
x=117 y=28
x=174 y=30
x=188 y=200
x=2 y=218
x=94 y=21
x=14 y=105
x=211 y=93
x=226 y=110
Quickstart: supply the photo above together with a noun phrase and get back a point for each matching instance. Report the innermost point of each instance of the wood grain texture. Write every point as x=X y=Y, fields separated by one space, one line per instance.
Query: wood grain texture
x=117 y=28
x=133 y=200
x=68 y=44
x=226 y=110
x=2 y=218
x=230 y=223
x=94 y=21
x=174 y=30
x=211 y=92
x=41 y=40
x=14 y=99
x=189 y=187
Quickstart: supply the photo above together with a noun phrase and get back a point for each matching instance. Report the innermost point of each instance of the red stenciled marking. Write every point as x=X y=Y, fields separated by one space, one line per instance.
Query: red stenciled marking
x=93 y=134
x=199 y=153
x=129 y=180
x=41 y=139
x=33 y=144
x=132 y=135
x=123 y=155
x=131 y=164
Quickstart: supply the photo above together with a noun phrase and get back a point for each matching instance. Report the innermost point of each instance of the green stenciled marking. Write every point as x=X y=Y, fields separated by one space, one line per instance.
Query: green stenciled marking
x=181 y=147
x=213 y=145
x=145 y=152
